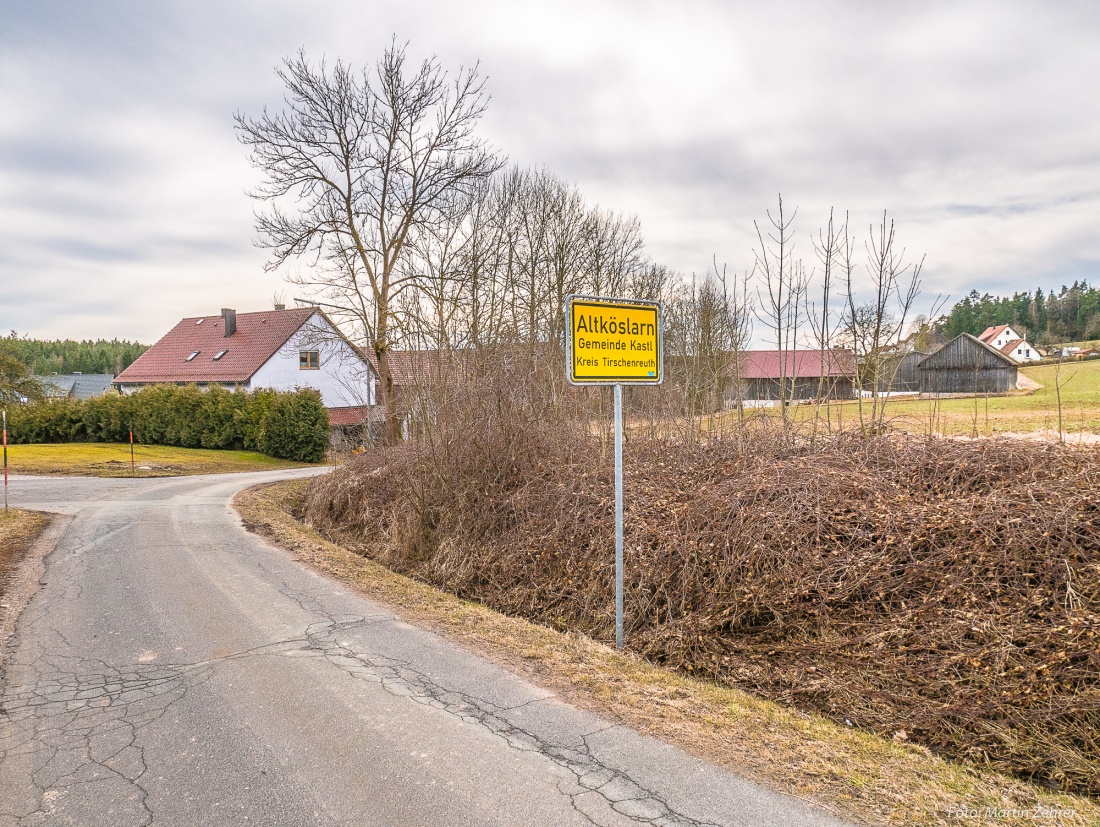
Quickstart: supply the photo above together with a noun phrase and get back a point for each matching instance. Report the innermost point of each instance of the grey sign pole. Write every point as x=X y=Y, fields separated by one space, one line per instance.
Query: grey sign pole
x=618 y=516
x=595 y=328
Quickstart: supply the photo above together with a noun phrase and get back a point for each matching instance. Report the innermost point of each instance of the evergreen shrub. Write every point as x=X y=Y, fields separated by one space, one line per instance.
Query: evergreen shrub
x=289 y=425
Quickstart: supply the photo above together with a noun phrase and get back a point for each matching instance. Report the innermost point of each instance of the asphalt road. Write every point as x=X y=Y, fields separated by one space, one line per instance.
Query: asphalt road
x=173 y=669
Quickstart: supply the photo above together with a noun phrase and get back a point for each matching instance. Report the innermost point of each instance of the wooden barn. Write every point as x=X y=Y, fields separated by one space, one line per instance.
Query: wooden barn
x=900 y=373
x=966 y=365
x=806 y=375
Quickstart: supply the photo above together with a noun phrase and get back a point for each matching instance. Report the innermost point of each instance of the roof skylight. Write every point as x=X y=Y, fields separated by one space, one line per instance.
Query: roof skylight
x=219 y=355
x=200 y=321
x=192 y=356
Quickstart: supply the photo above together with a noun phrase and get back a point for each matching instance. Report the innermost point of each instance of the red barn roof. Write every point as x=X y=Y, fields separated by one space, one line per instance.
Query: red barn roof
x=256 y=339
x=799 y=364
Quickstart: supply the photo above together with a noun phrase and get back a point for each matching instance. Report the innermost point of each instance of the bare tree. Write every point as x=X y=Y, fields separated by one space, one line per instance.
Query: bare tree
x=358 y=167
x=828 y=247
x=781 y=294
x=874 y=327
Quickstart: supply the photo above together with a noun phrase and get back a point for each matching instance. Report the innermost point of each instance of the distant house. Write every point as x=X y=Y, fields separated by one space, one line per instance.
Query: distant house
x=759 y=376
x=279 y=349
x=76 y=385
x=965 y=366
x=1010 y=343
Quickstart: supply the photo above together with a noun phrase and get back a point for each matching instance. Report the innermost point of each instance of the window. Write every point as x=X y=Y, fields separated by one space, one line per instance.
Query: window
x=200 y=321
x=219 y=355
x=309 y=359
x=192 y=356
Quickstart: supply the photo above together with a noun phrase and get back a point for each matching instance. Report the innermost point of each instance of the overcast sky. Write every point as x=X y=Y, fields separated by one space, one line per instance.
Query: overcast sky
x=975 y=125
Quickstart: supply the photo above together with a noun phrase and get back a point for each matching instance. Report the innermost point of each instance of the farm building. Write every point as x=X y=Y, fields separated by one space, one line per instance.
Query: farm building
x=759 y=375
x=279 y=349
x=966 y=365
x=899 y=372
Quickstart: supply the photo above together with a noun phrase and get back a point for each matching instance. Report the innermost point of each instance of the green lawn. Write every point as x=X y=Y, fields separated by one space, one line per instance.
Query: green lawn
x=97 y=459
x=1020 y=412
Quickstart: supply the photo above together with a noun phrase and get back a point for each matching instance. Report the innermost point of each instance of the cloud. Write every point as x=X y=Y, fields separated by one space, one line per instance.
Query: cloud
x=122 y=183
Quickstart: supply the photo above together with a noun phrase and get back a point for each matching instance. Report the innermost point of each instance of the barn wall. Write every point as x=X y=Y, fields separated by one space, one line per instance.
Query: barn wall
x=803 y=389
x=901 y=375
x=963 y=381
x=966 y=366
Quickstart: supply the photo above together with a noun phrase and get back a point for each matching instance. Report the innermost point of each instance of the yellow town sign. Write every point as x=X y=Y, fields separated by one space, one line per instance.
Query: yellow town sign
x=613 y=341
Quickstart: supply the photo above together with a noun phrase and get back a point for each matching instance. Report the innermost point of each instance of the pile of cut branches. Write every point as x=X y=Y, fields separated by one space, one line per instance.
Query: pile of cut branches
x=941 y=591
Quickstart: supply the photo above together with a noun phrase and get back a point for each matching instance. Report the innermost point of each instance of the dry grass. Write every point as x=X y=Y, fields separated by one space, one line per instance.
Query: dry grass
x=856 y=774
x=18 y=531
x=96 y=459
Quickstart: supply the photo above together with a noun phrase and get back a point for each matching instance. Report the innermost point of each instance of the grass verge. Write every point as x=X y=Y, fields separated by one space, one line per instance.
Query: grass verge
x=99 y=459
x=1020 y=412
x=18 y=531
x=853 y=773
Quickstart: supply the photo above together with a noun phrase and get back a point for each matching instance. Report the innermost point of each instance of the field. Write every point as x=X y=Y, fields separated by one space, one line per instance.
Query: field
x=97 y=459
x=1023 y=412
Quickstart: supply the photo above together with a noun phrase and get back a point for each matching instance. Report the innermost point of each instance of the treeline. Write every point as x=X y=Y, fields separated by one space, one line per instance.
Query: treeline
x=69 y=356
x=290 y=426
x=1071 y=315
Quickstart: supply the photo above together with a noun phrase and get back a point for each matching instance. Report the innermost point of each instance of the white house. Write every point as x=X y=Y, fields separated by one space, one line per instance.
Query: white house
x=1010 y=343
x=279 y=349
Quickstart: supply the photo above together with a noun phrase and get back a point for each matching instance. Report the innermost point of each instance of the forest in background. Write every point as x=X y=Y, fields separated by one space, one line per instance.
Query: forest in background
x=44 y=357
x=1071 y=315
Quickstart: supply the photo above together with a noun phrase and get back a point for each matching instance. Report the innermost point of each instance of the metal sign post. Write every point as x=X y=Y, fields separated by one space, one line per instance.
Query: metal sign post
x=5 y=462
x=618 y=516
x=614 y=342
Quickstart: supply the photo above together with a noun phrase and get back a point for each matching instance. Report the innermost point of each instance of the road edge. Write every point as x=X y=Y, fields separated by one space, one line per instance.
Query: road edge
x=26 y=578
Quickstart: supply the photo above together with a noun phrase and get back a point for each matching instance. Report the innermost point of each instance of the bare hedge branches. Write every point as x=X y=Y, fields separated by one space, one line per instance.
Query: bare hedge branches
x=943 y=591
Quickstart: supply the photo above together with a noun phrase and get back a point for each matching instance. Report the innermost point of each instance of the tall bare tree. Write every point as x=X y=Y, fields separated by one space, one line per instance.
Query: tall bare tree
x=781 y=291
x=358 y=166
x=874 y=327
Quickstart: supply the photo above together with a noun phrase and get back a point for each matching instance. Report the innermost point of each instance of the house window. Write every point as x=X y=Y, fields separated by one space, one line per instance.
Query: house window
x=219 y=355
x=309 y=359
x=192 y=356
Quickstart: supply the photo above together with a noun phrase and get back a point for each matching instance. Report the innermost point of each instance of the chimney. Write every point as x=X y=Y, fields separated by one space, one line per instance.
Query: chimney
x=280 y=307
x=229 y=316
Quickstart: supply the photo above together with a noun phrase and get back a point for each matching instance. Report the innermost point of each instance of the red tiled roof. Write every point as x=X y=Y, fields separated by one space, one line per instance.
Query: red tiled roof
x=408 y=366
x=991 y=333
x=800 y=364
x=1010 y=345
x=354 y=415
x=256 y=339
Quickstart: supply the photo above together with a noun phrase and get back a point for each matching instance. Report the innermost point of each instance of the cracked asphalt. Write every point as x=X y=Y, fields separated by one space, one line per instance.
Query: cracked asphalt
x=173 y=669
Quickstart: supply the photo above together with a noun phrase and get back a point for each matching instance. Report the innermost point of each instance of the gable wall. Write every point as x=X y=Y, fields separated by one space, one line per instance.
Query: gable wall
x=343 y=378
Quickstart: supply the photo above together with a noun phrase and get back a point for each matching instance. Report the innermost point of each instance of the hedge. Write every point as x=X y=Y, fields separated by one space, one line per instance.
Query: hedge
x=288 y=425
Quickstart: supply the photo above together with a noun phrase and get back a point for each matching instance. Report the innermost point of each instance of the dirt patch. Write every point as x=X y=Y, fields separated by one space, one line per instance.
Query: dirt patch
x=854 y=773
